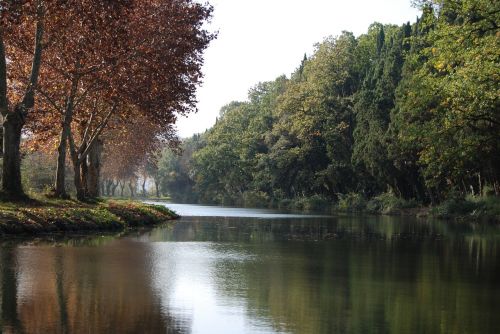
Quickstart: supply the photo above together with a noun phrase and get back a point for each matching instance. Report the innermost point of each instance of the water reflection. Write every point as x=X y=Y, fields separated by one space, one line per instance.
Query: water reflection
x=258 y=275
x=345 y=275
x=66 y=289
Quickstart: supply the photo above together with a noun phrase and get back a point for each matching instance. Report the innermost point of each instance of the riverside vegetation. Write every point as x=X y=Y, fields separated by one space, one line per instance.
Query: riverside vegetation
x=88 y=89
x=40 y=216
x=400 y=117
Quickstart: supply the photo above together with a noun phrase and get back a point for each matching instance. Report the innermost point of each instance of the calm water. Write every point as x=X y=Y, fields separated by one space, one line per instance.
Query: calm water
x=226 y=270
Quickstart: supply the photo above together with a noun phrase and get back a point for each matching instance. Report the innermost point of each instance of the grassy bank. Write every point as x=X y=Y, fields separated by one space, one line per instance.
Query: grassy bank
x=39 y=216
x=479 y=208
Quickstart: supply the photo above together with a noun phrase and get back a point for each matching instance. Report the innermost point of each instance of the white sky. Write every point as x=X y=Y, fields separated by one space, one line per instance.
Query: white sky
x=260 y=40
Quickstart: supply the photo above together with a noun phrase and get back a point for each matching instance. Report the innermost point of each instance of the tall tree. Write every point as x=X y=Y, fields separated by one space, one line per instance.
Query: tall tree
x=450 y=107
x=23 y=23
x=144 y=61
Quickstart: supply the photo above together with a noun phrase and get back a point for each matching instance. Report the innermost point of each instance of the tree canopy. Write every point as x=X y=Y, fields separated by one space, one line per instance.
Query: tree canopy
x=411 y=110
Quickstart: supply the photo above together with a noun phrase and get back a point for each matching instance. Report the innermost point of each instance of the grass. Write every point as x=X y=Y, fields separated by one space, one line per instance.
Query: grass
x=472 y=207
x=388 y=203
x=478 y=208
x=39 y=215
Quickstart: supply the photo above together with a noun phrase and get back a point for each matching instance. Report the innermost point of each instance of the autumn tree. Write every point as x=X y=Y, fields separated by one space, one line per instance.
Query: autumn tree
x=142 y=61
x=59 y=31
x=126 y=149
x=21 y=34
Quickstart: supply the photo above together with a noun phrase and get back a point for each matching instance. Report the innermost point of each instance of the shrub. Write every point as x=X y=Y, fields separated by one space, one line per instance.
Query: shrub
x=351 y=202
x=285 y=203
x=312 y=203
x=455 y=207
x=389 y=203
x=257 y=199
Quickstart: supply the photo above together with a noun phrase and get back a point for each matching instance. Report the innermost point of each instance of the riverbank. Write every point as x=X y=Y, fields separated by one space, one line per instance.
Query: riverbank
x=472 y=208
x=41 y=216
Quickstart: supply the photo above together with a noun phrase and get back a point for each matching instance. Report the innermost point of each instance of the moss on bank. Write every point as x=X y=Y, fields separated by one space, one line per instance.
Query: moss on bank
x=39 y=216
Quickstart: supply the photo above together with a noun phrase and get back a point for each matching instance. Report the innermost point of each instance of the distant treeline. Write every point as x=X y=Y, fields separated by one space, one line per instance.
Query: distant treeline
x=409 y=110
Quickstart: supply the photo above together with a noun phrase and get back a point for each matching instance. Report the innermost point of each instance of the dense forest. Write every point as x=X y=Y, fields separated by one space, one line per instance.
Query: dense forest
x=409 y=112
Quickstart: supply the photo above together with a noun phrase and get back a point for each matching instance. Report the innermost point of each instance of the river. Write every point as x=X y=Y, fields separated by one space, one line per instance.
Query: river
x=231 y=270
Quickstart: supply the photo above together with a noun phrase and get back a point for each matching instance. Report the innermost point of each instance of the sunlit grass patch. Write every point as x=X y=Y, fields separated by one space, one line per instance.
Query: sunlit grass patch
x=42 y=215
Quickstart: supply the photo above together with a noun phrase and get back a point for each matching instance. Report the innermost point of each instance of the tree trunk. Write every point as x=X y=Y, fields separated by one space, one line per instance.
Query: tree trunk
x=94 y=168
x=109 y=184
x=122 y=187
x=11 y=176
x=1 y=138
x=130 y=186
x=144 y=193
x=479 y=180
x=157 y=186
x=60 y=187
x=84 y=168
x=113 y=188
x=13 y=122
x=80 y=190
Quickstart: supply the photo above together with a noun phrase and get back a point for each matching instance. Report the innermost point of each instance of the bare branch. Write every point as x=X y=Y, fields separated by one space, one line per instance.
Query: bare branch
x=87 y=128
x=98 y=132
x=29 y=96
x=50 y=100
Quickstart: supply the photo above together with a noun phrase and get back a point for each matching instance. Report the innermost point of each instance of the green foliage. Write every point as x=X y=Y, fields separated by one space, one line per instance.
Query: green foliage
x=311 y=203
x=402 y=114
x=174 y=172
x=138 y=214
x=352 y=202
x=454 y=206
x=256 y=199
x=471 y=207
x=162 y=210
x=449 y=105
x=389 y=203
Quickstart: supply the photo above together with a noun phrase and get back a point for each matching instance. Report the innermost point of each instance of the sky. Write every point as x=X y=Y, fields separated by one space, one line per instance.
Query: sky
x=259 y=40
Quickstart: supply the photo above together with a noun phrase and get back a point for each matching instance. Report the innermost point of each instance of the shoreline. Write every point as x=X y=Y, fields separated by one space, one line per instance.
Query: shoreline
x=45 y=217
x=448 y=211
x=42 y=217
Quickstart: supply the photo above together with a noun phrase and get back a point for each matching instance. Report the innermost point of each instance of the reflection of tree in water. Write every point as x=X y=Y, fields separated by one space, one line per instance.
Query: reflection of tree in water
x=81 y=290
x=361 y=276
x=364 y=286
x=354 y=275
x=10 y=317
x=312 y=229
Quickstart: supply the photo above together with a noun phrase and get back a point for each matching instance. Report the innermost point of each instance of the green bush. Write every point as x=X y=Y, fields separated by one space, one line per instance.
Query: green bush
x=256 y=199
x=312 y=203
x=389 y=203
x=491 y=204
x=351 y=202
x=456 y=207
x=490 y=209
x=285 y=203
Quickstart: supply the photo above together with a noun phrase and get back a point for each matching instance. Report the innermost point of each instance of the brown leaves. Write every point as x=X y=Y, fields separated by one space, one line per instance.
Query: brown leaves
x=144 y=56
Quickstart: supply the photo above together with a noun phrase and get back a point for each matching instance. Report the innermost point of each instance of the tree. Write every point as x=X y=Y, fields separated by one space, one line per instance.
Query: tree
x=22 y=23
x=450 y=107
x=126 y=149
x=374 y=103
x=144 y=60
